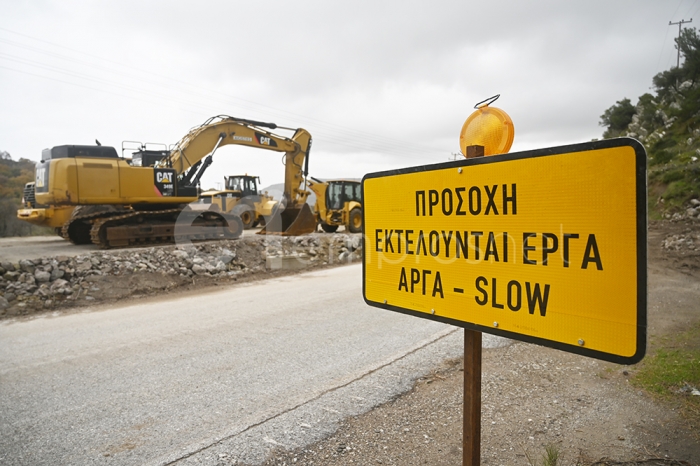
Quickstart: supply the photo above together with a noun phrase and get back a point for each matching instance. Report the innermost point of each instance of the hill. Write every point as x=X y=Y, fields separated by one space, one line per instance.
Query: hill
x=668 y=124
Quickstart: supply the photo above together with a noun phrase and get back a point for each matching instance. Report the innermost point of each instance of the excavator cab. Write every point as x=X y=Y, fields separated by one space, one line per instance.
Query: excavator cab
x=147 y=158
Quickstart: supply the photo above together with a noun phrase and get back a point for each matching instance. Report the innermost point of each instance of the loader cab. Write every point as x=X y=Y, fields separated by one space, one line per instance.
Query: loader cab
x=341 y=192
x=246 y=184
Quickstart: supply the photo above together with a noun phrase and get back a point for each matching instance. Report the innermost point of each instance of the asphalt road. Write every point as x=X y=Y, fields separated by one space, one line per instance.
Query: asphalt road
x=226 y=374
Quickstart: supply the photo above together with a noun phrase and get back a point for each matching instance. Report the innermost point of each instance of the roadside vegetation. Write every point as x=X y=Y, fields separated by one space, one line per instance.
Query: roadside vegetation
x=13 y=176
x=667 y=122
x=672 y=373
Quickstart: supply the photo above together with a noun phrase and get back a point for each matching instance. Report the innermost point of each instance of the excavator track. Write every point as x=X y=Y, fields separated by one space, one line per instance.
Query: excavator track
x=67 y=231
x=143 y=228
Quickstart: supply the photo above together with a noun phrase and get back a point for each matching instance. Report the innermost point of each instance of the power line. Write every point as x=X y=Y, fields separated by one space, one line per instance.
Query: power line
x=347 y=136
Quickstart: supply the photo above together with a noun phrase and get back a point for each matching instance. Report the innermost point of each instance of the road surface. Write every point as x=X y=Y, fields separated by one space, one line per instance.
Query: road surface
x=225 y=374
x=35 y=247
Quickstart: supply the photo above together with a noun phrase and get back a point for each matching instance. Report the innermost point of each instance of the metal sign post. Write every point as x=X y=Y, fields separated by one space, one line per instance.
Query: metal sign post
x=471 y=430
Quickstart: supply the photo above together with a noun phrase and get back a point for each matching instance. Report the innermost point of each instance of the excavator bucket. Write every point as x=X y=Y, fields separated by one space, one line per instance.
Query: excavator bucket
x=290 y=222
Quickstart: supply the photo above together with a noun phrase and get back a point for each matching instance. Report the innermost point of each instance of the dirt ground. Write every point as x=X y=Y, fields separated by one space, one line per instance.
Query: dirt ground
x=534 y=397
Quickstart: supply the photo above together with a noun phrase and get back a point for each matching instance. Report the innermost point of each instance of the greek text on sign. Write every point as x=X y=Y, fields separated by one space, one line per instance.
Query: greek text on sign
x=546 y=246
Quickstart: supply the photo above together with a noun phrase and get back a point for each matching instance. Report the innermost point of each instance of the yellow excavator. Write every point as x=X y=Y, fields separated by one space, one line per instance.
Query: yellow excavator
x=120 y=202
x=241 y=197
x=338 y=202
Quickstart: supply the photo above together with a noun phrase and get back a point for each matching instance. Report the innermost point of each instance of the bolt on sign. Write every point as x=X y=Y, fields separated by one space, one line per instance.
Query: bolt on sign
x=546 y=246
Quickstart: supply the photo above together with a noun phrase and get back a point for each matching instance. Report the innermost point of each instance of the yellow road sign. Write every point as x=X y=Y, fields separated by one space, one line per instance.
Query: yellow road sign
x=546 y=246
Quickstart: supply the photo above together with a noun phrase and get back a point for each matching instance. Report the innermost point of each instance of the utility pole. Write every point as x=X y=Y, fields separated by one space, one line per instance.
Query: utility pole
x=679 y=23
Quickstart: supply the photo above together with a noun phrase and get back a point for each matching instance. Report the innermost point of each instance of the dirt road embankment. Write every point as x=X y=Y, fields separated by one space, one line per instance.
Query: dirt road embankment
x=50 y=283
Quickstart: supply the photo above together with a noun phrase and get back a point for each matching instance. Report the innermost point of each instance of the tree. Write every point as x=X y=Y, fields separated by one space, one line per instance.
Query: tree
x=617 y=118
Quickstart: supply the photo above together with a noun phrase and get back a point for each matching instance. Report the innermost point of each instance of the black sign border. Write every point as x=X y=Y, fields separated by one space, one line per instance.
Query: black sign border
x=641 y=198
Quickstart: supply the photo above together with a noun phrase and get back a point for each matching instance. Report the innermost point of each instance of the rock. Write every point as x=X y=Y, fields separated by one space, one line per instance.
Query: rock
x=10 y=297
x=11 y=276
x=180 y=254
x=27 y=266
x=59 y=283
x=351 y=243
x=43 y=290
x=41 y=276
x=84 y=267
x=198 y=269
x=695 y=202
x=56 y=274
x=27 y=278
x=227 y=256
x=221 y=267
x=8 y=266
x=4 y=303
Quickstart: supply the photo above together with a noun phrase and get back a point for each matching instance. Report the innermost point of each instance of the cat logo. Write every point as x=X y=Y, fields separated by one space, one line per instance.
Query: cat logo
x=265 y=140
x=164 y=177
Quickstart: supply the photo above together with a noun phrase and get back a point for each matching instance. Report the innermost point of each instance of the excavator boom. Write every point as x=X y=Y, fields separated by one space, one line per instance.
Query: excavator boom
x=293 y=217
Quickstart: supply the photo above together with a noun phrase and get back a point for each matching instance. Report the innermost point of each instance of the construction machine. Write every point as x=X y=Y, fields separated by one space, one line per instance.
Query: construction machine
x=338 y=202
x=120 y=203
x=241 y=197
x=42 y=215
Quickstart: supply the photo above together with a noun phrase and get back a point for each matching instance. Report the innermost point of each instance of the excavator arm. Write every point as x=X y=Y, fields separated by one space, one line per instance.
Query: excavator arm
x=192 y=155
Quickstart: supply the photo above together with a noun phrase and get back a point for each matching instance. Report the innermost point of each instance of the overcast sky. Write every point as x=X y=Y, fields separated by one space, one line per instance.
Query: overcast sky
x=378 y=84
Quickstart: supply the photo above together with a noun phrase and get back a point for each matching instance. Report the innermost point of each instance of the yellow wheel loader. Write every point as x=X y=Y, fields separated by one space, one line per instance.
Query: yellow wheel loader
x=338 y=202
x=122 y=202
x=241 y=197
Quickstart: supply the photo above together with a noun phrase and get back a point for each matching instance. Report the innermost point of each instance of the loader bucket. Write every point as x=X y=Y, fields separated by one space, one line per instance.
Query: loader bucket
x=290 y=222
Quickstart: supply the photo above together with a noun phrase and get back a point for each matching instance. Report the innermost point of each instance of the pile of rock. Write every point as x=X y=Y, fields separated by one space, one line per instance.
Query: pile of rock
x=691 y=212
x=682 y=242
x=68 y=281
